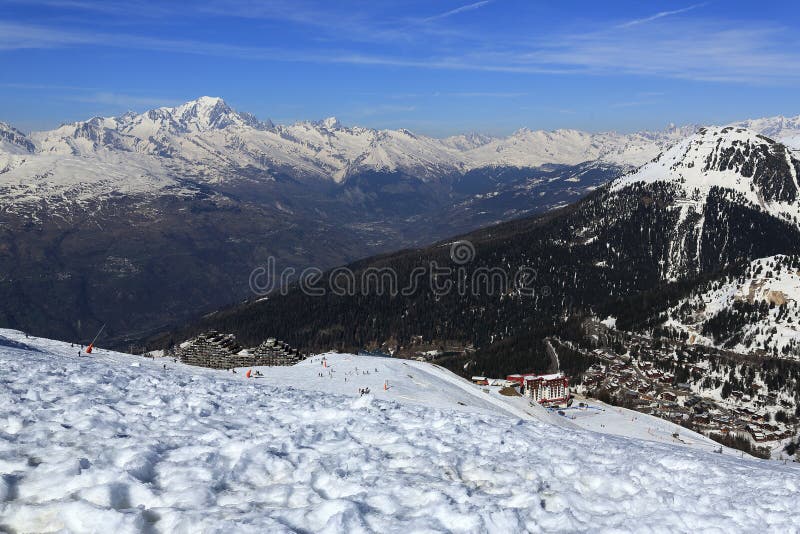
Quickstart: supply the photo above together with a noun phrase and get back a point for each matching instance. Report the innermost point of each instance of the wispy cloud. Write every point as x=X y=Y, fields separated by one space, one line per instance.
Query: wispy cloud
x=659 y=15
x=437 y=94
x=629 y=104
x=704 y=50
x=94 y=95
x=139 y=8
x=462 y=9
x=44 y=87
x=333 y=25
x=121 y=100
x=487 y=94
x=384 y=109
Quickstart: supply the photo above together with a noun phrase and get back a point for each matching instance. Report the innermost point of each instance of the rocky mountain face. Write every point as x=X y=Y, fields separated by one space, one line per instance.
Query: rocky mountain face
x=756 y=310
x=12 y=141
x=143 y=220
x=703 y=209
x=705 y=181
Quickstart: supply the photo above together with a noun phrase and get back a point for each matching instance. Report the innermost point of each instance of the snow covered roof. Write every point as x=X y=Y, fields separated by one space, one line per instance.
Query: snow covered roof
x=553 y=376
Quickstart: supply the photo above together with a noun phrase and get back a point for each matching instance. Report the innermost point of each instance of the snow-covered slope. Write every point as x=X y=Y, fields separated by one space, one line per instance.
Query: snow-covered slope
x=405 y=381
x=15 y=147
x=425 y=384
x=54 y=179
x=119 y=443
x=757 y=311
x=755 y=168
x=12 y=141
x=708 y=181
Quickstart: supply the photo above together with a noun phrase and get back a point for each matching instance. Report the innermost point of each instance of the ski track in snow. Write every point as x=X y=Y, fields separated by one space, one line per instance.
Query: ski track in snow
x=115 y=443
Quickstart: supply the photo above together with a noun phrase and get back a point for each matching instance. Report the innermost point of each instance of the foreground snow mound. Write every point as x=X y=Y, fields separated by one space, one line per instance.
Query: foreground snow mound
x=116 y=444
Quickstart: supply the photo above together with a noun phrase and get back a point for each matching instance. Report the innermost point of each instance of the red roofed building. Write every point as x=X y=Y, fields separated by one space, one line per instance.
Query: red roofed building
x=547 y=389
x=519 y=379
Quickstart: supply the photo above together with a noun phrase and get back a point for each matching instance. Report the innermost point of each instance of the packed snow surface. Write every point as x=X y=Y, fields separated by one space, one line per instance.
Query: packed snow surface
x=116 y=443
x=601 y=417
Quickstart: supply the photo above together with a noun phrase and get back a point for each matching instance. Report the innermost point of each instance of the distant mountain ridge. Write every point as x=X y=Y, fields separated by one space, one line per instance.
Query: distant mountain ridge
x=325 y=148
x=211 y=142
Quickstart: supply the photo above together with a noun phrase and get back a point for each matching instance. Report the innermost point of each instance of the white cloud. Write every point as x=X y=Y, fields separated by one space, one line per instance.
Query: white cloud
x=123 y=100
x=720 y=51
x=462 y=9
x=659 y=15
x=384 y=109
x=487 y=94
x=697 y=50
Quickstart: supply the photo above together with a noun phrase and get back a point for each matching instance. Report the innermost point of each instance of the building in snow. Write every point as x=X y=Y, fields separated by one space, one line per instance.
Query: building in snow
x=518 y=379
x=545 y=389
x=274 y=352
x=221 y=351
x=210 y=349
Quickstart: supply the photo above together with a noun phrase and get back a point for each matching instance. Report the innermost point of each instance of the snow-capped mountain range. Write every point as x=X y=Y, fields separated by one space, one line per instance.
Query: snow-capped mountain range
x=211 y=142
x=207 y=129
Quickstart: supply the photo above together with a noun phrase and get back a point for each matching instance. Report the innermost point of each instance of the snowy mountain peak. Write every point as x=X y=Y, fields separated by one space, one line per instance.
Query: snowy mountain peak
x=759 y=168
x=467 y=141
x=208 y=113
x=331 y=123
x=705 y=182
x=208 y=101
x=14 y=141
x=783 y=128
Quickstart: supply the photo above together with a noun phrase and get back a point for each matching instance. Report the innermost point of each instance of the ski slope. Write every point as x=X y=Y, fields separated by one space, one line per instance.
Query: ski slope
x=600 y=417
x=407 y=381
x=117 y=443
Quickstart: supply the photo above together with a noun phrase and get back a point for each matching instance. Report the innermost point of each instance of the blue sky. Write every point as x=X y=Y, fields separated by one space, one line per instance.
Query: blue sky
x=437 y=66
